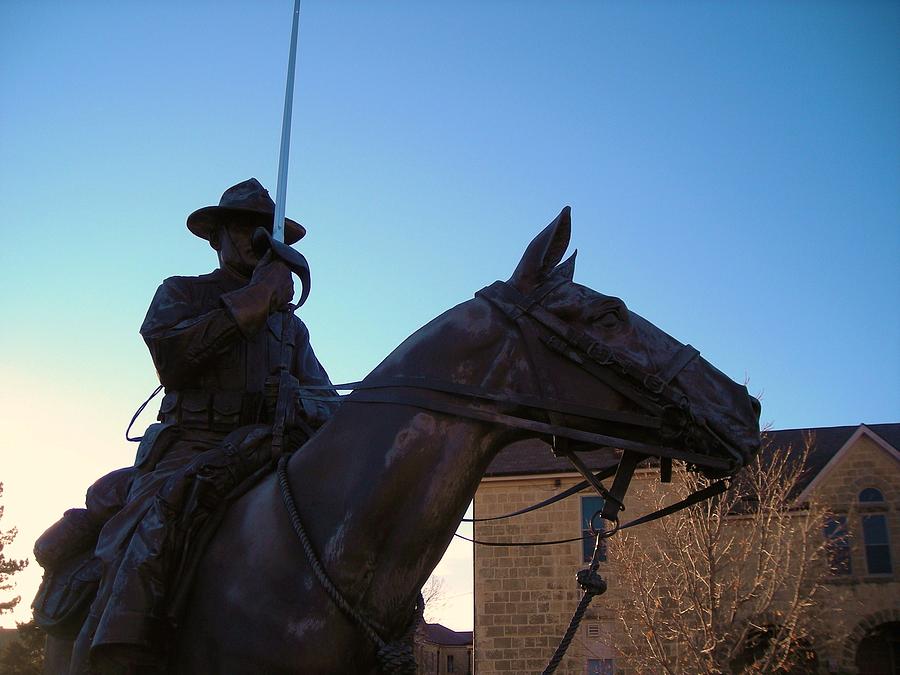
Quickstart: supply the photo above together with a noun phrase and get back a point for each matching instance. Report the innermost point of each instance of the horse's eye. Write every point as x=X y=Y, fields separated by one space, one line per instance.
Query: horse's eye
x=608 y=319
x=607 y=313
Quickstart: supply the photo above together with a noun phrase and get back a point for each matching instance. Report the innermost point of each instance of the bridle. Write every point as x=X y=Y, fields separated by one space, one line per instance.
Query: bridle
x=664 y=411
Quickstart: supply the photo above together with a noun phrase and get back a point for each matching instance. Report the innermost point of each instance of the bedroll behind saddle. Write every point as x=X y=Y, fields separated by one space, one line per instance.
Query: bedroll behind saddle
x=66 y=552
x=65 y=595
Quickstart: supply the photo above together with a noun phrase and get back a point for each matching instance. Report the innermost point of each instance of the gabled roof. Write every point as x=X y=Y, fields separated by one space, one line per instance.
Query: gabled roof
x=441 y=635
x=533 y=457
x=887 y=436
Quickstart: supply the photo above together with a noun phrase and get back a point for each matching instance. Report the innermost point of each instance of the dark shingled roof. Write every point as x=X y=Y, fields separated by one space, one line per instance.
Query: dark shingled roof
x=441 y=635
x=534 y=457
x=826 y=441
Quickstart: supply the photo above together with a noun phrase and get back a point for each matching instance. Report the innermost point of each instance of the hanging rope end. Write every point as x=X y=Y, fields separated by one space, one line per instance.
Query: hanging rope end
x=591 y=582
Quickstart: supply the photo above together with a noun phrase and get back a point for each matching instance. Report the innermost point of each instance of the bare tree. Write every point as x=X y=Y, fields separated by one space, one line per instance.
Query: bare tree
x=435 y=597
x=8 y=566
x=731 y=585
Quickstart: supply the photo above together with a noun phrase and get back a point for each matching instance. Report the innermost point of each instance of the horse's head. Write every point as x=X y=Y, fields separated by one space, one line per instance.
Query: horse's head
x=588 y=347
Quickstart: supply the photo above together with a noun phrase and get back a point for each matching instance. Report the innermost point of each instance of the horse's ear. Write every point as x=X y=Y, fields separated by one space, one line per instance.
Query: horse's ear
x=566 y=270
x=543 y=253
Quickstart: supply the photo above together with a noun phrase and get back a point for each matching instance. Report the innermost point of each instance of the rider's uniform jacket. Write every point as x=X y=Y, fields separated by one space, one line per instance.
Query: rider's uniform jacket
x=214 y=344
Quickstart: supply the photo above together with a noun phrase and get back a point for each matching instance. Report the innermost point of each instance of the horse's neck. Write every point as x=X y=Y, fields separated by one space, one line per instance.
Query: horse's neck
x=388 y=483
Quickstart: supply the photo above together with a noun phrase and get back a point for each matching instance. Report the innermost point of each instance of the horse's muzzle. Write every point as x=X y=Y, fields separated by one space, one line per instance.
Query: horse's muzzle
x=757 y=406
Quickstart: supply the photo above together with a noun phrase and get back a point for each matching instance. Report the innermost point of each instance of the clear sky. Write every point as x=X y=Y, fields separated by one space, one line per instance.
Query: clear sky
x=733 y=168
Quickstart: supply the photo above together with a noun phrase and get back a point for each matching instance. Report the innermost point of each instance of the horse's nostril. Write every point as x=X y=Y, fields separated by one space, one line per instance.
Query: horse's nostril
x=757 y=406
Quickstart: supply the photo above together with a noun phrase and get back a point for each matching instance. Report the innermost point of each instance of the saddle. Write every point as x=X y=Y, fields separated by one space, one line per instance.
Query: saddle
x=180 y=521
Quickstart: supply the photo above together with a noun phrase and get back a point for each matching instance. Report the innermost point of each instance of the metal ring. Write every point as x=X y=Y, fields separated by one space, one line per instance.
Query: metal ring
x=604 y=533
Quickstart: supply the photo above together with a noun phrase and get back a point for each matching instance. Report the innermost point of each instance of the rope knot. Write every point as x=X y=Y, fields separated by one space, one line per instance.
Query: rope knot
x=397 y=658
x=591 y=582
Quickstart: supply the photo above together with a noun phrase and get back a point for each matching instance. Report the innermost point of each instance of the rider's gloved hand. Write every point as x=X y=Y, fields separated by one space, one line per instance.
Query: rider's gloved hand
x=273 y=275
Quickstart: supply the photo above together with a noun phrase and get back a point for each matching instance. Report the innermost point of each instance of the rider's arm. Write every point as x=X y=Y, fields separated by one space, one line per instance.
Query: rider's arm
x=188 y=326
x=181 y=336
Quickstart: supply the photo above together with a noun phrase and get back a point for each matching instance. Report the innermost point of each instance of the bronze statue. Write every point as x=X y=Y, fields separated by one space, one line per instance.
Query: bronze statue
x=374 y=497
x=228 y=350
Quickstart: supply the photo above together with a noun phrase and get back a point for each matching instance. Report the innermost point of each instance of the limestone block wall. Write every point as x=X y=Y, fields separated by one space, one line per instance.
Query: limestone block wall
x=431 y=659
x=865 y=600
x=525 y=596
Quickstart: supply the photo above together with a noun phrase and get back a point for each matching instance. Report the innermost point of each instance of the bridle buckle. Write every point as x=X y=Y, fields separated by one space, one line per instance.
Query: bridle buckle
x=600 y=354
x=654 y=384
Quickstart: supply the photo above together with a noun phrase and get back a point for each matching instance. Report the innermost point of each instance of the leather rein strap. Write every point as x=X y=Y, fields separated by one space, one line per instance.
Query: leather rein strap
x=372 y=391
x=665 y=412
x=649 y=391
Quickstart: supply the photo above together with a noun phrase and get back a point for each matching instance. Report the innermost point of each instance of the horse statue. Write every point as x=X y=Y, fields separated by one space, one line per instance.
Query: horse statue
x=382 y=487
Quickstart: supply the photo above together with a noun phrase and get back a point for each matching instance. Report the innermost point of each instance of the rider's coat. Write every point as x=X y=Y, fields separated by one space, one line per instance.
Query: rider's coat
x=216 y=346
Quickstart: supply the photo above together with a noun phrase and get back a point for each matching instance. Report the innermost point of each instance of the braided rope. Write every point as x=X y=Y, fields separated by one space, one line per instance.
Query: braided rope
x=330 y=588
x=394 y=658
x=592 y=584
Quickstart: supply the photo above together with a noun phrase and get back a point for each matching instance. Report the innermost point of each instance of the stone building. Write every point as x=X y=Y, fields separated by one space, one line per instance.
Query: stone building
x=441 y=651
x=524 y=596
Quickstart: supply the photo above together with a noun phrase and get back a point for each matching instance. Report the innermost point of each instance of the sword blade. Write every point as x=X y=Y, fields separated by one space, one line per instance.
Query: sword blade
x=281 y=189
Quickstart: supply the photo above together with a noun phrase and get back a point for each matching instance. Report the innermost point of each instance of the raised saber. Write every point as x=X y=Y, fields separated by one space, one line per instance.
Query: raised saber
x=285 y=395
x=262 y=239
x=284 y=153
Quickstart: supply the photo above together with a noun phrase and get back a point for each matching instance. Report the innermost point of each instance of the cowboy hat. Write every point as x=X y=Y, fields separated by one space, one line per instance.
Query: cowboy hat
x=249 y=202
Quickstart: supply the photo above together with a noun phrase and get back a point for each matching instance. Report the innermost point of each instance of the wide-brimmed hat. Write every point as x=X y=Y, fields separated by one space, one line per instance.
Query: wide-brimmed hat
x=250 y=202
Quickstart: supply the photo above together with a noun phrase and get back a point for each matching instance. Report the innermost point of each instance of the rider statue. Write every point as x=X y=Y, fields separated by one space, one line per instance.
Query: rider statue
x=233 y=358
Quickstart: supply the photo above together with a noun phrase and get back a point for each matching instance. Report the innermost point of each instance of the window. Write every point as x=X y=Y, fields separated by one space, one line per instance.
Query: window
x=871 y=495
x=878 y=550
x=601 y=666
x=450 y=665
x=590 y=506
x=837 y=545
x=875 y=532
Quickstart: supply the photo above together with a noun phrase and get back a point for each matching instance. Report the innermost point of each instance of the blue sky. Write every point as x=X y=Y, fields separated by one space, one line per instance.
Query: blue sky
x=733 y=170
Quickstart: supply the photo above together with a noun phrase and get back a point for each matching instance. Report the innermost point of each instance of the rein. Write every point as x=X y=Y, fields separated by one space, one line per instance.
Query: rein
x=372 y=391
x=666 y=412
x=393 y=657
x=696 y=497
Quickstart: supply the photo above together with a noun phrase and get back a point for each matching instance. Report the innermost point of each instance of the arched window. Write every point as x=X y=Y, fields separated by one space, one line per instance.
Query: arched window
x=870 y=495
x=875 y=533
